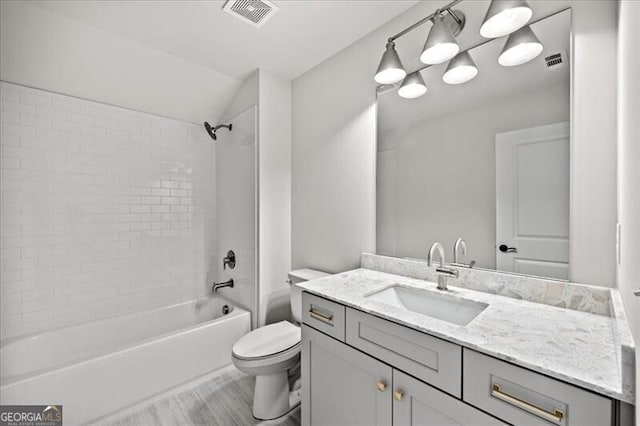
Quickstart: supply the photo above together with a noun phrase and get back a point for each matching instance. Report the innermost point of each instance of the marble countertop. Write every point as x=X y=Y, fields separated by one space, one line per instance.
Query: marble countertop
x=576 y=347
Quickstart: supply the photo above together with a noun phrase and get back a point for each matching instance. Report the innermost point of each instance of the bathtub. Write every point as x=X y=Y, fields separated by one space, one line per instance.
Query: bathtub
x=98 y=368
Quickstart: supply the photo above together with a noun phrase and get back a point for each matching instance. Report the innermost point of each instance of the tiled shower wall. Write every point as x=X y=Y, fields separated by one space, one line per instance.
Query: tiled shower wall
x=104 y=210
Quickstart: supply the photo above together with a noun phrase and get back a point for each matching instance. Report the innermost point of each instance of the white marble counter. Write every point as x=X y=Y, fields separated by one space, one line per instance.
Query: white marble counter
x=576 y=347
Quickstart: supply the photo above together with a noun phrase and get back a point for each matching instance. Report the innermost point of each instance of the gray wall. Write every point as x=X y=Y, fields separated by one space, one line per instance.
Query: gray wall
x=334 y=148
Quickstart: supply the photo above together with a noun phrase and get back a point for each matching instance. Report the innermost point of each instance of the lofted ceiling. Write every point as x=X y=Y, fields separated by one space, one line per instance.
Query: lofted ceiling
x=299 y=36
x=179 y=59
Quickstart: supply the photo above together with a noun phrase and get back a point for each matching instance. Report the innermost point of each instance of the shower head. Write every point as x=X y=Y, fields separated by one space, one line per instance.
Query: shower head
x=212 y=130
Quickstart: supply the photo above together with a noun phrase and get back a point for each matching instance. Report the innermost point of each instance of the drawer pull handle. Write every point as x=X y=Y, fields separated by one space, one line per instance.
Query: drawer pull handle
x=398 y=395
x=382 y=385
x=320 y=317
x=555 y=417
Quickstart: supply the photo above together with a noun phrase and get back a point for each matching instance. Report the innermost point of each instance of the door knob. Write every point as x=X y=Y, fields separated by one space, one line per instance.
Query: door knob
x=382 y=385
x=506 y=249
x=398 y=395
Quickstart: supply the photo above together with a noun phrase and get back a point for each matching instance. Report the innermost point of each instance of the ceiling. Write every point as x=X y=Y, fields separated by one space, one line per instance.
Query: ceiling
x=299 y=36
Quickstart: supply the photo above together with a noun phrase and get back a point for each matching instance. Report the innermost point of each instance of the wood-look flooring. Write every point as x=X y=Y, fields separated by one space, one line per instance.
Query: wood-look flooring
x=223 y=401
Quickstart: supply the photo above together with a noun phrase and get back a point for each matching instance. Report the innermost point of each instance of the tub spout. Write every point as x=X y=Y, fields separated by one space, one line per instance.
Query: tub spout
x=218 y=286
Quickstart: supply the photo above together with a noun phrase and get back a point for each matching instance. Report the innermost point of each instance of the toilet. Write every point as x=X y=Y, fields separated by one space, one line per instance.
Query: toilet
x=272 y=354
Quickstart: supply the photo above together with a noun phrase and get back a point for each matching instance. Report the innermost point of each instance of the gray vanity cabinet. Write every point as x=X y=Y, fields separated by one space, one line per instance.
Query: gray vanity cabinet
x=342 y=386
x=416 y=403
x=359 y=369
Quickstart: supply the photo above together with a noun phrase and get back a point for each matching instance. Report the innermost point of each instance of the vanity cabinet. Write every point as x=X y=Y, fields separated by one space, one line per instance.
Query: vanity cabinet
x=421 y=404
x=521 y=396
x=343 y=386
x=359 y=369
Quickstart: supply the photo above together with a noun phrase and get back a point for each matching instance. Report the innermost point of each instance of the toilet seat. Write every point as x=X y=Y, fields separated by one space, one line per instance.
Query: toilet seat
x=282 y=338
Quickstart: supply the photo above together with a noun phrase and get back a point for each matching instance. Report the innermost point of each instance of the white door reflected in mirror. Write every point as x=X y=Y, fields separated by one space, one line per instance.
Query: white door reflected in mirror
x=532 y=201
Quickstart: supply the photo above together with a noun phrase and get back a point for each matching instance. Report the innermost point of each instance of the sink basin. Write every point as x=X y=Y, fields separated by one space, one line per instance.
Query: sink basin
x=441 y=306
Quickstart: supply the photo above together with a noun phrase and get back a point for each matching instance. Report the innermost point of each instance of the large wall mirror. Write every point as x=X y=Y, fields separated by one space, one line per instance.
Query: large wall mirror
x=487 y=160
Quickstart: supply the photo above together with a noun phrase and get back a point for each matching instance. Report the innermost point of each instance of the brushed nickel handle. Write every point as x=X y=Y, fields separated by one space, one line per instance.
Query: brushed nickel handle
x=382 y=385
x=321 y=317
x=636 y=292
x=398 y=395
x=555 y=417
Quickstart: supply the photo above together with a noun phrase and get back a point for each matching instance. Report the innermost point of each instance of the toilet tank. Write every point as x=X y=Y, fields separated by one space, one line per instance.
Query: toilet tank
x=295 y=292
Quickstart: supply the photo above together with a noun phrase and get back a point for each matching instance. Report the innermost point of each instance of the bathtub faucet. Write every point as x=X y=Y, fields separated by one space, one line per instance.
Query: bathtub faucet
x=217 y=286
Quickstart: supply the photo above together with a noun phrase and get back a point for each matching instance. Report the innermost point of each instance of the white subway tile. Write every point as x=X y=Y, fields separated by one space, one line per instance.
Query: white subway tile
x=35 y=99
x=92 y=198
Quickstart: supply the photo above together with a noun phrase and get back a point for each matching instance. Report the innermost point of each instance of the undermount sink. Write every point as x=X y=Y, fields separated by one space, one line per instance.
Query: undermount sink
x=441 y=306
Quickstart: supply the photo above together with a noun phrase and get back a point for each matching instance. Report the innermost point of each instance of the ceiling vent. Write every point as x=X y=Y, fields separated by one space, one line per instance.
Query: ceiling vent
x=254 y=12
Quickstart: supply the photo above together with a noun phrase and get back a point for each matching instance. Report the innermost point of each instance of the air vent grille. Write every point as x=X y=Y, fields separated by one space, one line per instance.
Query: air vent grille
x=555 y=61
x=254 y=12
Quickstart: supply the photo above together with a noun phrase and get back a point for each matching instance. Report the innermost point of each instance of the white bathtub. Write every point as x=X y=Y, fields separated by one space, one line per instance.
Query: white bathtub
x=98 y=368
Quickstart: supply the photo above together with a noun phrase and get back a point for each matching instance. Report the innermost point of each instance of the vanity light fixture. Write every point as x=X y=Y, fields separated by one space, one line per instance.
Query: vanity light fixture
x=412 y=86
x=461 y=69
x=521 y=47
x=440 y=45
x=390 y=70
x=504 y=17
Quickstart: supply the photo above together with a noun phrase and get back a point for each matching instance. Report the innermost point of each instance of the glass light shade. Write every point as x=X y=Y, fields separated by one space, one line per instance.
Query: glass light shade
x=390 y=70
x=504 y=17
x=520 y=48
x=413 y=86
x=461 y=69
x=440 y=45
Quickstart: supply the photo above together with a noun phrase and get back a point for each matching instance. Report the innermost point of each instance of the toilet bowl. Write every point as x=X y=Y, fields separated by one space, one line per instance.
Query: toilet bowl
x=272 y=354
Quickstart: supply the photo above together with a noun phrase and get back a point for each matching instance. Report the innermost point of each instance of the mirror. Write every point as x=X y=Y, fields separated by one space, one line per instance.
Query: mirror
x=487 y=160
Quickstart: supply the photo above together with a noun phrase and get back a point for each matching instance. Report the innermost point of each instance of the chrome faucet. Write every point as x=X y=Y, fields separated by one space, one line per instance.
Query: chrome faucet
x=461 y=244
x=218 y=286
x=442 y=271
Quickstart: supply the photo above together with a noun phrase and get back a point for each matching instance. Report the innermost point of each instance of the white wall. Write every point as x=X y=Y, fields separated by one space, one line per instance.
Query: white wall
x=245 y=97
x=440 y=181
x=274 y=170
x=104 y=210
x=235 y=168
x=629 y=170
x=333 y=166
x=42 y=49
x=334 y=142
x=593 y=149
x=272 y=96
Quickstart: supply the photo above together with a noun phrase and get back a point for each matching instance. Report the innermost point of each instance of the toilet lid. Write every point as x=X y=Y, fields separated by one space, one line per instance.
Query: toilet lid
x=268 y=340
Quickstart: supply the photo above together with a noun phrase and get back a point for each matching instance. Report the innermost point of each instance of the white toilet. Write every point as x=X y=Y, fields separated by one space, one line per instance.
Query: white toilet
x=272 y=354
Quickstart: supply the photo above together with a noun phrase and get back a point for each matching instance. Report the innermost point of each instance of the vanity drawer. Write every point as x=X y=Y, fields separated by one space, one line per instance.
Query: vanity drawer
x=428 y=358
x=323 y=315
x=521 y=396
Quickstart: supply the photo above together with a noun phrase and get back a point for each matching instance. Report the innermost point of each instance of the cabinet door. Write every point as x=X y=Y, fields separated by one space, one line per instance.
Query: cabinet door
x=342 y=386
x=415 y=403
